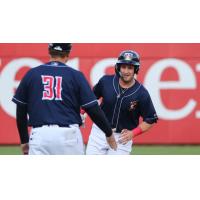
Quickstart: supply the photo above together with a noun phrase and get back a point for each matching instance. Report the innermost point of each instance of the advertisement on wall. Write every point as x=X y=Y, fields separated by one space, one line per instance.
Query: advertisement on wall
x=170 y=72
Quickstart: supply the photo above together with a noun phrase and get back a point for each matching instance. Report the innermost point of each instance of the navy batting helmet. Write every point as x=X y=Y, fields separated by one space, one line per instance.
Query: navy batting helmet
x=61 y=47
x=130 y=58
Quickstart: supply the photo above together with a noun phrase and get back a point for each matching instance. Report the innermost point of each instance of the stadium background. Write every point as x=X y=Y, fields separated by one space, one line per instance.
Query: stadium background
x=169 y=71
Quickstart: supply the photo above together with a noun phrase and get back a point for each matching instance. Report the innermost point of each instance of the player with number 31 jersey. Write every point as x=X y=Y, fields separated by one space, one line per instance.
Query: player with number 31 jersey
x=52 y=95
x=41 y=89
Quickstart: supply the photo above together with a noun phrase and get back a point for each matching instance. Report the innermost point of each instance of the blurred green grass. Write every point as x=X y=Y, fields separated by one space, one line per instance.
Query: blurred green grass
x=137 y=150
x=166 y=150
x=10 y=150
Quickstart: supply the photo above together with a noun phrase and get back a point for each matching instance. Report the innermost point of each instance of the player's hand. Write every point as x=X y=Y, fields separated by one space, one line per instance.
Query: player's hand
x=83 y=118
x=114 y=130
x=83 y=115
x=25 y=148
x=126 y=136
x=112 y=143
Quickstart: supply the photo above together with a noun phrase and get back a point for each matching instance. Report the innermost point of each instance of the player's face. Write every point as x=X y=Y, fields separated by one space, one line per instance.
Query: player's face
x=127 y=73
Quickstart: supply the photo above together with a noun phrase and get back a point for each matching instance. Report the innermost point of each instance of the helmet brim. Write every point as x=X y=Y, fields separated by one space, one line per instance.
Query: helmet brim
x=128 y=62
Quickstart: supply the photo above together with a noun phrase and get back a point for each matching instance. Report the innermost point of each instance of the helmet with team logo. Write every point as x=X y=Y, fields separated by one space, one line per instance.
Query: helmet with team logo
x=130 y=58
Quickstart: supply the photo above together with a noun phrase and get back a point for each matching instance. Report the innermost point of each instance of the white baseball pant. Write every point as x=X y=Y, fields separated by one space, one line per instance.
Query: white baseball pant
x=97 y=144
x=55 y=140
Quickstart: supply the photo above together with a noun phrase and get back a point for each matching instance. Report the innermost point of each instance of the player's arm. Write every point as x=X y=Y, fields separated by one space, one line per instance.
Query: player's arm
x=22 y=121
x=144 y=126
x=20 y=98
x=89 y=103
x=127 y=135
x=149 y=116
x=99 y=118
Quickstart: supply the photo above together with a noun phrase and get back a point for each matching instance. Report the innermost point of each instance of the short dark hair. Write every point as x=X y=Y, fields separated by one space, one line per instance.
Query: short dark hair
x=54 y=53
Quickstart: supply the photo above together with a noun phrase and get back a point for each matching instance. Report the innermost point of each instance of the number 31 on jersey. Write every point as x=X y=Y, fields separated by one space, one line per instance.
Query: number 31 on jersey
x=52 y=87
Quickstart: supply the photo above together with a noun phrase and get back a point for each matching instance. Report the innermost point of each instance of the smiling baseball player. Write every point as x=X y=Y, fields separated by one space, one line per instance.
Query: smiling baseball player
x=125 y=100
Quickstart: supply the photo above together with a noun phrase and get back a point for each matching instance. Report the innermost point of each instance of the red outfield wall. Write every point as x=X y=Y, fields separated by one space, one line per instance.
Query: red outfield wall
x=171 y=72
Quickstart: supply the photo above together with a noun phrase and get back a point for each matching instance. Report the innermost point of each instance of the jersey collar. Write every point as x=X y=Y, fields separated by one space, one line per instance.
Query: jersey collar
x=56 y=64
x=128 y=91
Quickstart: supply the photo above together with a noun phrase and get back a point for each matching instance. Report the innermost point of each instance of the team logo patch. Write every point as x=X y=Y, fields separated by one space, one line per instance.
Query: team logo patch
x=133 y=105
x=128 y=56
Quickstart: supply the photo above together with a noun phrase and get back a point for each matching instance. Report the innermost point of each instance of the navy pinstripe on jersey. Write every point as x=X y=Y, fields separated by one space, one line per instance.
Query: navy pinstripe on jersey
x=53 y=93
x=124 y=108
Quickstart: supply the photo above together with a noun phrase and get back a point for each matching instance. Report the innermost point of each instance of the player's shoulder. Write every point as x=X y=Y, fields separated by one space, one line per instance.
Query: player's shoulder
x=74 y=72
x=34 y=70
x=30 y=72
x=142 y=89
x=107 y=78
x=57 y=65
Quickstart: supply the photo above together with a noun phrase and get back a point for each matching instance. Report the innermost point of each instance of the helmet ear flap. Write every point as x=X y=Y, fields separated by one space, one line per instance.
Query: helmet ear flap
x=137 y=68
x=117 y=70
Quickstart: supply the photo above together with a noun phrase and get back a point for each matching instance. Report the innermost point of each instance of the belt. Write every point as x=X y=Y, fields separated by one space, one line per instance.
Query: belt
x=51 y=125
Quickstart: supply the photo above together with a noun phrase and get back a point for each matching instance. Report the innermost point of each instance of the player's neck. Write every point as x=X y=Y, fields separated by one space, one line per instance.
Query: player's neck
x=62 y=60
x=124 y=84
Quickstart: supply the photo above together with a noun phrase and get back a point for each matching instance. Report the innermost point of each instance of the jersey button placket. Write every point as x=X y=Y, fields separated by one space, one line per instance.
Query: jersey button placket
x=119 y=109
x=116 y=111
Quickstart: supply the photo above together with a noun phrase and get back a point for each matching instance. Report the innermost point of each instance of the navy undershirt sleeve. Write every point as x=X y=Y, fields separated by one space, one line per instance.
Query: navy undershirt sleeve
x=99 y=118
x=22 y=121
